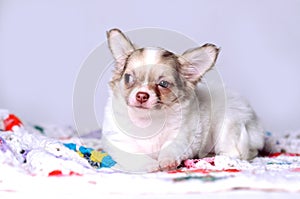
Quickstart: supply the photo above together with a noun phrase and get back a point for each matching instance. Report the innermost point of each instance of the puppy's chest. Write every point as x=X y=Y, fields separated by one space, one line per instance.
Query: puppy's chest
x=149 y=132
x=164 y=129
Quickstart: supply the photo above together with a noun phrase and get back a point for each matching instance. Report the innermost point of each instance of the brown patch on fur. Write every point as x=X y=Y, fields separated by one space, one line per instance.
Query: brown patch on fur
x=117 y=74
x=154 y=87
x=167 y=54
x=119 y=71
x=169 y=58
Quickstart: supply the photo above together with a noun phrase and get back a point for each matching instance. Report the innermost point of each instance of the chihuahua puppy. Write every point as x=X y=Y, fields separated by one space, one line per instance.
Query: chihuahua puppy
x=160 y=112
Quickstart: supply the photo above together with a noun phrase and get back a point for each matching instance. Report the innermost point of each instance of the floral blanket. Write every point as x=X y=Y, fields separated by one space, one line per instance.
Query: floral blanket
x=45 y=158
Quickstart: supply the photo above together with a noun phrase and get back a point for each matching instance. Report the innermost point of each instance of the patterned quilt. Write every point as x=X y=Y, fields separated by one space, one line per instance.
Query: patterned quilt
x=52 y=160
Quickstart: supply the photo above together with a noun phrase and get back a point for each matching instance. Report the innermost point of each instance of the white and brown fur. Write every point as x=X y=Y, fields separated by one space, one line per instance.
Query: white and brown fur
x=153 y=89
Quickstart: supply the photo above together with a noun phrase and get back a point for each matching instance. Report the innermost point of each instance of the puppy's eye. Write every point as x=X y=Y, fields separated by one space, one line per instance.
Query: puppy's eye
x=164 y=84
x=128 y=78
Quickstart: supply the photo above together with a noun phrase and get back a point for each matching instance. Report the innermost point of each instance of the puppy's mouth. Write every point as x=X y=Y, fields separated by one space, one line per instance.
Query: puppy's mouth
x=155 y=106
x=141 y=107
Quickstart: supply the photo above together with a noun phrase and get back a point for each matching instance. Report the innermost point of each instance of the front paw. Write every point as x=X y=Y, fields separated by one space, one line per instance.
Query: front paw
x=168 y=163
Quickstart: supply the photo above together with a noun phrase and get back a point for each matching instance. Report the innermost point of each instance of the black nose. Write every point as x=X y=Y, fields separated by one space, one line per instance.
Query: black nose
x=142 y=97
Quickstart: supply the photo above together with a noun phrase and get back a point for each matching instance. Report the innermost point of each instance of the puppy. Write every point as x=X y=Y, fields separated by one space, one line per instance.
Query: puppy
x=159 y=112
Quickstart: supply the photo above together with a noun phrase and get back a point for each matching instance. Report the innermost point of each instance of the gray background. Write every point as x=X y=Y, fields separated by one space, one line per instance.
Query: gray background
x=44 y=43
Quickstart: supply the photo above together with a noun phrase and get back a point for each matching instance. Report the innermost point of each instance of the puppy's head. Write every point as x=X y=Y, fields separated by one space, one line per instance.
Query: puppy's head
x=154 y=78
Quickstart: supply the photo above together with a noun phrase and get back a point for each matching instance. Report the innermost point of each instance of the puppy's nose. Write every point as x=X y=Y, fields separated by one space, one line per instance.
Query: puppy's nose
x=142 y=97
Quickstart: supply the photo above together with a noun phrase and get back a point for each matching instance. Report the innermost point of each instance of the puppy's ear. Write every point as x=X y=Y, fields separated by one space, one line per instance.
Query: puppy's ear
x=197 y=61
x=119 y=45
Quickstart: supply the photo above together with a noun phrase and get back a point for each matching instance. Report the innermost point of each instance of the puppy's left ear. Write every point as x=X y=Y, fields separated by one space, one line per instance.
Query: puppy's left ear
x=119 y=45
x=197 y=61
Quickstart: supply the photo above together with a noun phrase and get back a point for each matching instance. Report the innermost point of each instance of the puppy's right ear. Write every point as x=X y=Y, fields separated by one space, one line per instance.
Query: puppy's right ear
x=120 y=46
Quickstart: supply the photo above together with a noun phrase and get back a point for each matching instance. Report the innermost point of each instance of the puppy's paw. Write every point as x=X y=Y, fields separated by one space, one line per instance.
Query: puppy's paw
x=167 y=163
